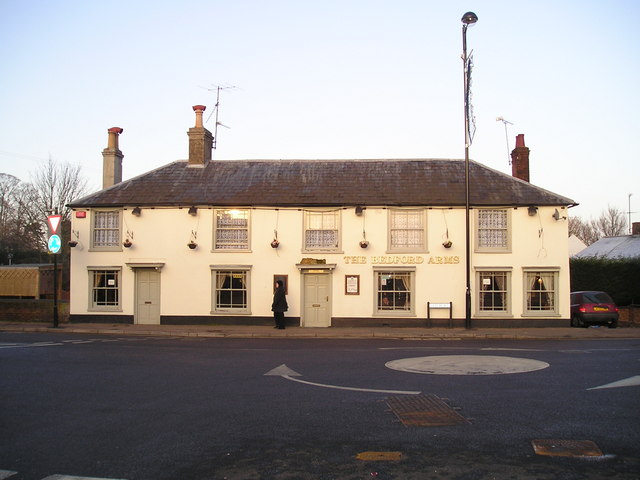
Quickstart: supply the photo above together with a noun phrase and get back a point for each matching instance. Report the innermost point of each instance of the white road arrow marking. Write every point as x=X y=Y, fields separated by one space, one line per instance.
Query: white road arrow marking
x=285 y=372
x=30 y=345
x=627 y=382
x=71 y=477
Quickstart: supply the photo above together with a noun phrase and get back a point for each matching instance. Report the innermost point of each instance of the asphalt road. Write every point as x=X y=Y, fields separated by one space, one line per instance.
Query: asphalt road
x=156 y=408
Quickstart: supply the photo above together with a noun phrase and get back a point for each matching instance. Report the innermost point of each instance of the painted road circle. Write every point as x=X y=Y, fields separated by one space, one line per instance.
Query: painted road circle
x=466 y=365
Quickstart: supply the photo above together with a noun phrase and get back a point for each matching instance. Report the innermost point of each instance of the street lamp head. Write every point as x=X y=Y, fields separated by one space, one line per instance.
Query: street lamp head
x=469 y=18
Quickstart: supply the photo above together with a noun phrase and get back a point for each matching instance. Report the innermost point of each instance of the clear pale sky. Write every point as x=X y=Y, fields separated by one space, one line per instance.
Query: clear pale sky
x=328 y=79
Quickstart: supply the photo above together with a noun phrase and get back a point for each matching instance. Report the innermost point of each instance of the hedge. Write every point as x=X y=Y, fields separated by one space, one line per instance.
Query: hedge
x=618 y=277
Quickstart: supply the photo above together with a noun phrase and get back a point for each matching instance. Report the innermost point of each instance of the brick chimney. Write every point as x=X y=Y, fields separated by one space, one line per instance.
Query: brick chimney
x=520 y=159
x=200 y=141
x=112 y=159
x=635 y=228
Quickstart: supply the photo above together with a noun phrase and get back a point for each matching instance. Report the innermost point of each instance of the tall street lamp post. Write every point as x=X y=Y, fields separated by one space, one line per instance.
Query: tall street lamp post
x=468 y=18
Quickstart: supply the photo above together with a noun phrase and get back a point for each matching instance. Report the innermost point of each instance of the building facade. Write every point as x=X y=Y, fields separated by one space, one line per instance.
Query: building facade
x=357 y=242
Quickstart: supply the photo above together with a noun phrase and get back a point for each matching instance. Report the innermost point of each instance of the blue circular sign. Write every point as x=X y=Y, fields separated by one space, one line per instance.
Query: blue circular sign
x=55 y=244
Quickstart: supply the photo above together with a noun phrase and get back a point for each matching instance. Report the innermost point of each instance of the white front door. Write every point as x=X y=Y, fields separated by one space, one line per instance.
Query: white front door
x=317 y=300
x=147 y=296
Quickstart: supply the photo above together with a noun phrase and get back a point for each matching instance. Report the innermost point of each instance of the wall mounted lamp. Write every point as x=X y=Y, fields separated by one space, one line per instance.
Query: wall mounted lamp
x=136 y=211
x=193 y=211
x=556 y=216
x=532 y=210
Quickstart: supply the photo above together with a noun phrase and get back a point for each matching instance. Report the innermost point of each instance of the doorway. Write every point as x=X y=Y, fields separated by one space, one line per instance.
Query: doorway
x=147 y=296
x=316 y=300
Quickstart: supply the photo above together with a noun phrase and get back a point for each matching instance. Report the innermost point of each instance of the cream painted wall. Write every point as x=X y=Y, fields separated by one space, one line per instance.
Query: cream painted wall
x=161 y=235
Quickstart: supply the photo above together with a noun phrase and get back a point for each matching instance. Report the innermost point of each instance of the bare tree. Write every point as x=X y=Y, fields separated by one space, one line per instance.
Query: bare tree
x=8 y=185
x=56 y=185
x=21 y=229
x=24 y=208
x=611 y=222
x=584 y=230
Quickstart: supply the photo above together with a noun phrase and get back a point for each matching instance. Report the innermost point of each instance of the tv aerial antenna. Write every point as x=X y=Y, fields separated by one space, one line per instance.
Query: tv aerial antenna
x=506 y=135
x=216 y=110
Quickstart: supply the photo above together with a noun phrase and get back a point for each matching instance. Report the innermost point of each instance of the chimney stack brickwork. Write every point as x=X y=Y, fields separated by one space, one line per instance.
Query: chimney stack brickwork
x=112 y=159
x=200 y=140
x=520 y=159
x=635 y=228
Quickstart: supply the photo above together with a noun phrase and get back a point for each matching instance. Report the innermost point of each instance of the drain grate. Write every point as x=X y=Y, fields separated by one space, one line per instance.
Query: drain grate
x=424 y=411
x=566 y=448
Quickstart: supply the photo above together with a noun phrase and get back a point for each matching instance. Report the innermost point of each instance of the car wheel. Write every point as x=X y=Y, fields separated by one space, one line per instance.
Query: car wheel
x=574 y=321
x=613 y=325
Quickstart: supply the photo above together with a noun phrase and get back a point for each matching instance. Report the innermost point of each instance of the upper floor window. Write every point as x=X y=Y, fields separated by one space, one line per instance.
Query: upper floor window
x=104 y=290
x=493 y=232
x=541 y=292
x=231 y=230
x=321 y=230
x=105 y=233
x=407 y=230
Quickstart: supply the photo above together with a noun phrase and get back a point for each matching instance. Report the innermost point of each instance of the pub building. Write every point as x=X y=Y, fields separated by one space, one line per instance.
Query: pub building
x=356 y=242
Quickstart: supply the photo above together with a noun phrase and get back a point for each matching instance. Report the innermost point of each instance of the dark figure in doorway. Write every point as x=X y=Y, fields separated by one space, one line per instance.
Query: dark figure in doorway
x=279 y=305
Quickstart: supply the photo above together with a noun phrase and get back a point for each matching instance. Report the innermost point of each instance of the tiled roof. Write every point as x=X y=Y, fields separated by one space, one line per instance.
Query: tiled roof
x=624 y=246
x=288 y=183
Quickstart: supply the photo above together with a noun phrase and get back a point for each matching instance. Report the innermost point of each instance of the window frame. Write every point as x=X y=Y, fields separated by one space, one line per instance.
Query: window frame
x=307 y=214
x=115 y=247
x=549 y=272
x=216 y=229
x=92 y=305
x=507 y=291
x=230 y=269
x=508 y=231
x=406 y=271
x=391 y=248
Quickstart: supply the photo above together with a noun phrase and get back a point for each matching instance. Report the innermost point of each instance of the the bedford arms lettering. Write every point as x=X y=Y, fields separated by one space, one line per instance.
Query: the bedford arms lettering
x=401 y=260
x=384 y=260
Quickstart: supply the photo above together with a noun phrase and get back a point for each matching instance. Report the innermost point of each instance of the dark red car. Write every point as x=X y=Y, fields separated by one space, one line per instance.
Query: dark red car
x=593 y=308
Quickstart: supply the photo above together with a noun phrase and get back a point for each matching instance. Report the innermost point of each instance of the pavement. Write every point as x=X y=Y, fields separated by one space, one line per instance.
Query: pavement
x=264 y=331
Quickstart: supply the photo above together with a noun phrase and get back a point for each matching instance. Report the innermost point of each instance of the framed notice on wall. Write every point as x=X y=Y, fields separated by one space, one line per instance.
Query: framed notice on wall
x=352 y=284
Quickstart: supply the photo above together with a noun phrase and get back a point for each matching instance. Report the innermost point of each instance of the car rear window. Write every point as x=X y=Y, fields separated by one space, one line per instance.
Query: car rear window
x=596 y=297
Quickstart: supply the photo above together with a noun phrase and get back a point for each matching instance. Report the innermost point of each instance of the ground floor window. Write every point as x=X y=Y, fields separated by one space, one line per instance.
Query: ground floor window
x=541 y=291
x=494 y=292
x=230 y=290
x=394 y=292
x=104 y=291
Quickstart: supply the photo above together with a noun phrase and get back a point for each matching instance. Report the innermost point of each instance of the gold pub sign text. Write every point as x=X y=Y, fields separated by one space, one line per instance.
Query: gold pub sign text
x=401 y=260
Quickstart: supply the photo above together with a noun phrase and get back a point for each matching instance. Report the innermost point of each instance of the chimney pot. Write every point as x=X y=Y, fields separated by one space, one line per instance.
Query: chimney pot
x=520 y=140
x=199 y=109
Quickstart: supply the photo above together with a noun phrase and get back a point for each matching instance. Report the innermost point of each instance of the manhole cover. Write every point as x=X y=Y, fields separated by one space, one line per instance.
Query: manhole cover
x=566 y=448
x=424 y=411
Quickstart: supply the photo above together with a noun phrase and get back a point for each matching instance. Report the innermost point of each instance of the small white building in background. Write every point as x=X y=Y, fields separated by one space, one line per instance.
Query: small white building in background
x=358 y=242
x=618 y=247
x=575 y=245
